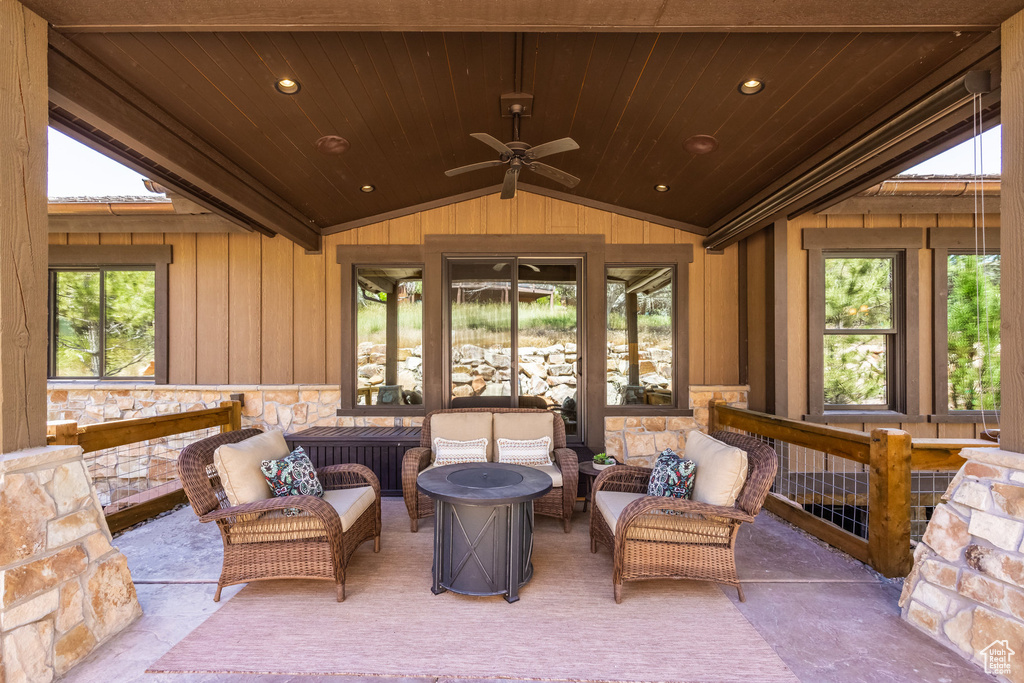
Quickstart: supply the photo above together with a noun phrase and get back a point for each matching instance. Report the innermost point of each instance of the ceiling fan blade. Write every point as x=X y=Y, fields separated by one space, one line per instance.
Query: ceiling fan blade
x=492 y=141
x=553 y=147
x=508 y=188
x=473 y=167
x=566 y=179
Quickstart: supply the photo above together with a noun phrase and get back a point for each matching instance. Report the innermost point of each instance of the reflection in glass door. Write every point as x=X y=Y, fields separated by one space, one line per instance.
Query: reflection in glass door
x=516 y=317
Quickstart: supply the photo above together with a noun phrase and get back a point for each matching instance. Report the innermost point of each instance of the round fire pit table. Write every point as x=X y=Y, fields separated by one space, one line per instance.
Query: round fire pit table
x=483 y=526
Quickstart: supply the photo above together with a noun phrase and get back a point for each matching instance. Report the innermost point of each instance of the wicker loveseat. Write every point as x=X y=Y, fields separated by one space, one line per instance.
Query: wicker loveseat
x=559 y=502
x=262 y=542
x=693 y=540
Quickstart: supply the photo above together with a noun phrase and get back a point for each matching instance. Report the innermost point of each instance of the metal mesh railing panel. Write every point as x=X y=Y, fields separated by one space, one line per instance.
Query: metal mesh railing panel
x=830 y=487
x=137 y=472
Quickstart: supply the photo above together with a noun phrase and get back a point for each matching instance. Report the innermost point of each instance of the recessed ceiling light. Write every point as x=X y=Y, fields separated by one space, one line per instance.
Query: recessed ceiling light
x=751 y=86
x=332 y=144
x=700 y=144
x=287 y=86
x=661 y=188
x=367 y=188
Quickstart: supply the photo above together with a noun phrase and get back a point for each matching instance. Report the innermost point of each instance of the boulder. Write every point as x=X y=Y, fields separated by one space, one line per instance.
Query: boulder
x=561 y=369
x=461 y=378
x=653 y=379
x=486 y=371
x=533 y=369
x=462 y=391
x=471 y=351
x=561 y=392
x=498 y=360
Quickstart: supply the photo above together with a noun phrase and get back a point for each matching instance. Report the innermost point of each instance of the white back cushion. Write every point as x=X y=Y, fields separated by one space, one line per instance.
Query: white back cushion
x=721 y=469
x=462 y=427
x=238 y=465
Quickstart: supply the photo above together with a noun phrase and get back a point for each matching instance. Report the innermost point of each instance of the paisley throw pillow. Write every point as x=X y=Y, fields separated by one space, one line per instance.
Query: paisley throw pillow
x=672 y=476
x=292 y=475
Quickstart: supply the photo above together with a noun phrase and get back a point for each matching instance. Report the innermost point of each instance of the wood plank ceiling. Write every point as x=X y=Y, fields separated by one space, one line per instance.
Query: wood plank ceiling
x=407 y=102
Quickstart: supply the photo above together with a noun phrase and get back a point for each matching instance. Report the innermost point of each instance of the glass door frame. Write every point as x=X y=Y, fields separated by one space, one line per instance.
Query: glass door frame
x=514 y=260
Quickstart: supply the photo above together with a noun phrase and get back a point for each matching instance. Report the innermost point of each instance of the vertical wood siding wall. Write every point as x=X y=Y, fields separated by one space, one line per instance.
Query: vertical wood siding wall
x=246 y=309
x=758 y=310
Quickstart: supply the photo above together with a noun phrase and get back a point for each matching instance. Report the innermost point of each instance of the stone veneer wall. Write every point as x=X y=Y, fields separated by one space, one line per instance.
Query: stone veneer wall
x=638 y=440
x=64 y=589
x=967 y=585
x=292 y=407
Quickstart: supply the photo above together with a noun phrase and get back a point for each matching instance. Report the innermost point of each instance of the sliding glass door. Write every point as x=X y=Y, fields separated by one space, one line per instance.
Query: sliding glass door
x=514 y=334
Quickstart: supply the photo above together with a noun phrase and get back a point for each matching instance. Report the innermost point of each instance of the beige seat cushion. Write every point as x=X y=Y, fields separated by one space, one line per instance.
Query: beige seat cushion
x=238 y=465
x=463 y=427
x=276 y=526
x=661 y=527
x=721 y=469
x=553 y=472
x=525 y=426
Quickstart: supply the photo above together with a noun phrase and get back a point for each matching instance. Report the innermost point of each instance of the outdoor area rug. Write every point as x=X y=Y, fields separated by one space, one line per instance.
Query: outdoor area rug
x=566 y=625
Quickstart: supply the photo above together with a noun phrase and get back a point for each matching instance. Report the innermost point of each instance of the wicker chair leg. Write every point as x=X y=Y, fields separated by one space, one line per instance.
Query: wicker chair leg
x=593 y=544
x=414 y=524
x=341 y=591
x=739 y=589
x=216 y=596
x=618 y=593
x=567 y=524
x=376 y=543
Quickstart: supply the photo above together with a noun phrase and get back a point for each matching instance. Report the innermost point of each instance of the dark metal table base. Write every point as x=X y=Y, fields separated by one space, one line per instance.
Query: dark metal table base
x=483 y=549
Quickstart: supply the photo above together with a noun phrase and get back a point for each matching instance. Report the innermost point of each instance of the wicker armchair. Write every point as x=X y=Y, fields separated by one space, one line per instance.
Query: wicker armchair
x=260 y=541
x=559 y=502
x=694 y=540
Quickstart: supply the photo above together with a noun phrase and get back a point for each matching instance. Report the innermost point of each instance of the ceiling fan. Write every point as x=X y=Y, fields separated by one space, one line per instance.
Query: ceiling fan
x=519 y=155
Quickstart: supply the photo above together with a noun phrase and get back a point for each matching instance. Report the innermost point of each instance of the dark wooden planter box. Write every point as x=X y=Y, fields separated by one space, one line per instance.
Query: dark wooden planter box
x=379 y=448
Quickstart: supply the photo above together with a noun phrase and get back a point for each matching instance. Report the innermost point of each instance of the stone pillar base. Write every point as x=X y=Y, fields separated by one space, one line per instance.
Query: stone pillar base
x=64 y=589
x=966 y=589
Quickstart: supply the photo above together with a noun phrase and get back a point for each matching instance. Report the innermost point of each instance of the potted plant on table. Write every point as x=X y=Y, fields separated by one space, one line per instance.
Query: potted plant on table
x=603 y=460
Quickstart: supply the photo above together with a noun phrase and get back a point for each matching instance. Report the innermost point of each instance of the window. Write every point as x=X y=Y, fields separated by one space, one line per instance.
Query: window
x=972 y=324
x=860 y=333
x=863 y=322
x=967 y=273
x=103 y=323
x=108 y=312
x=640 y=334
x=389 y=344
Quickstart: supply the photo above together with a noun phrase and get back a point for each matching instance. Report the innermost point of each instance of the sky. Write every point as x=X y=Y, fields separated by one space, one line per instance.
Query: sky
x=77 y=171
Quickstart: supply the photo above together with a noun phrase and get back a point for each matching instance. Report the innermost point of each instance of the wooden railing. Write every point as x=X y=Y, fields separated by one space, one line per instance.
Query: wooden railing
x=104 y=435
x=889 y=455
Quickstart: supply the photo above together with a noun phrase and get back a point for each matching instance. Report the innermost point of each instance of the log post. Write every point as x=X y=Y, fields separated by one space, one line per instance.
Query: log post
x=23 y=227
x=713 y=424
x=64 y=432
x=1012 y=248
x=235 y=421
x=391 y=338
x=889 y=502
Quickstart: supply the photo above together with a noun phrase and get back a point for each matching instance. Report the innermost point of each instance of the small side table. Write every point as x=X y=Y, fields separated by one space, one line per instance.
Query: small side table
x=588 y=470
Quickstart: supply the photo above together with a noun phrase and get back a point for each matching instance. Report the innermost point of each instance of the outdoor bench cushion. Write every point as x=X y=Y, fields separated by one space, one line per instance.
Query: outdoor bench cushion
x=661 y=527
x=276 y=526
x=463 y=427
x=525 y=426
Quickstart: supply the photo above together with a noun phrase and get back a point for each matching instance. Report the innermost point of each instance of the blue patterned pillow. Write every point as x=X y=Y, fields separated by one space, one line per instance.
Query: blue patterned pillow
x=292 y=475
x=672 y=476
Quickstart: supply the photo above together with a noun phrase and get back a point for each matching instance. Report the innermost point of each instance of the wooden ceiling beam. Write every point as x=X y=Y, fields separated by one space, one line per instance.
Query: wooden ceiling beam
x=524 y=15
x=92 y=98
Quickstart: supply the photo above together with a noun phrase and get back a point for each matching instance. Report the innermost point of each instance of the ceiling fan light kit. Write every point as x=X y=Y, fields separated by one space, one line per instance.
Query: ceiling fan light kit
x=520 y=155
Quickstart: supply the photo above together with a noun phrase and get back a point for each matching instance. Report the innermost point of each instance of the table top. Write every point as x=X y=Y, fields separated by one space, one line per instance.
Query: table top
x=484 y=483
x=587 y=468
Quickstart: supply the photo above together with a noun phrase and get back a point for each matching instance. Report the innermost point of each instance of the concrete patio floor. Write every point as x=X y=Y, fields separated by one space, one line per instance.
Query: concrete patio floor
x=829 y=617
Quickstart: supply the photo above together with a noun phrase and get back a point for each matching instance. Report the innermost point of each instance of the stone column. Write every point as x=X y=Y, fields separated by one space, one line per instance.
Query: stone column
x=1012 y=210
x=23 y=235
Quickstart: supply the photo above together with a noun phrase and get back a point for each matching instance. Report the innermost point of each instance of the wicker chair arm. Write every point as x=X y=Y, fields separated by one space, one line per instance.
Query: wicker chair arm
x=627 y=478
x=644 y=506
x=347 y=476
x=415 y=461
x=311 y=505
